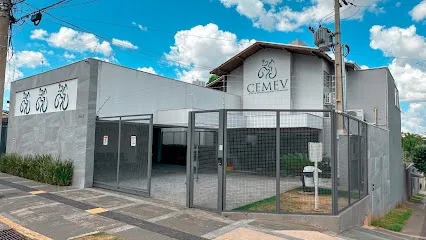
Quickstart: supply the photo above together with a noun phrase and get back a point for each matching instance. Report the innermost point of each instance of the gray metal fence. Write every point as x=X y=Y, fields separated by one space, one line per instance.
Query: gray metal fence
x=123 y=149
x=260 y=161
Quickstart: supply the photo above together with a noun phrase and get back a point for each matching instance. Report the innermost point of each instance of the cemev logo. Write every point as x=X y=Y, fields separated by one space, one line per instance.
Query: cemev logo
x=267 y=71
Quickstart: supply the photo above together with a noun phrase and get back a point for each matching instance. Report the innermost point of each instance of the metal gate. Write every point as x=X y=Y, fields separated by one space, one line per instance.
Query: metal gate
x=205 y=160
x=123 y=154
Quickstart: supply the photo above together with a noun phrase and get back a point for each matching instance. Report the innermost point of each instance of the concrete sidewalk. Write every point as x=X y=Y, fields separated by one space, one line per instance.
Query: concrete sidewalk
x=50 y=212
x=416 y=224
x=45 y=212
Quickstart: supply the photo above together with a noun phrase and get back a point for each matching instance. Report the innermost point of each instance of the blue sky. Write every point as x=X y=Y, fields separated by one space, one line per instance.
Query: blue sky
x=184 y=39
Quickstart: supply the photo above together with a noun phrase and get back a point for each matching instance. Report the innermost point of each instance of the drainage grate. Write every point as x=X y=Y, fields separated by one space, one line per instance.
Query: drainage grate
x=11 y=234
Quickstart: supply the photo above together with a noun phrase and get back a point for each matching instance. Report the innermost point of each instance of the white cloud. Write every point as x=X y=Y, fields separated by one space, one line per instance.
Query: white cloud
x=28 y=59
x=410 y=79
x=147 y=69
x=140 y=26
x=195 y=56
x=364 y=67
x=398 y=42
x=413 y=120
x=123 y=44
x=38 y=34
x=69 y=55
x=72 y=40
x=418 y=13
x=410 y=75
x=397 y=4
x=23 y=59
x=275 y=15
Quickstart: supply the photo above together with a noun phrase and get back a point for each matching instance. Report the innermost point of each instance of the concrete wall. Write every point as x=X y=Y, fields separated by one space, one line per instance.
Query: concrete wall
x=351 y=217
x=398 y=193
x=307 y=82
x=235 y=83
x=367 y=90
x=379 y=176
x=125 y=91
x=69 y=134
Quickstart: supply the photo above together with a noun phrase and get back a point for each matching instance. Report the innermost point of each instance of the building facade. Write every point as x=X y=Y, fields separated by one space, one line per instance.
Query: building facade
x=64 y=112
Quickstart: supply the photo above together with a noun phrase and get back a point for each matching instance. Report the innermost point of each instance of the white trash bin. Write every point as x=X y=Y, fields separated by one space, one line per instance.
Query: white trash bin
x=308 y=178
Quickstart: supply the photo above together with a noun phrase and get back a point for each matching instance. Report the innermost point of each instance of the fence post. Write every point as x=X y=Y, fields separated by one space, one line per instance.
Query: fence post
x=359 y=160
x=349 y=161
x=150 y=139
x=220 y=159
x=119 y=151
x=189 y=150
x=334 y=159
x=278 y=165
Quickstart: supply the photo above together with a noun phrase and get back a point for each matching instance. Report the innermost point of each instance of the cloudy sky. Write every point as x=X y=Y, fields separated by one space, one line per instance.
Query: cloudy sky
x=185 y=39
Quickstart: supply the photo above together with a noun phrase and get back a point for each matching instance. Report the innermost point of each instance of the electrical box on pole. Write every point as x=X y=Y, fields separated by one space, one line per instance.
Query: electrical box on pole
x=323 y=38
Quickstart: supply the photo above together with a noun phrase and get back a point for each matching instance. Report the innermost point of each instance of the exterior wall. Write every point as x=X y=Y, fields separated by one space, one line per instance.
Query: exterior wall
x=69 y=134
x=379 y=171
x=124 y=91
x=235 y=83
x=267 y=89
x=307 y=82
x=367 y=90
x=395 y=157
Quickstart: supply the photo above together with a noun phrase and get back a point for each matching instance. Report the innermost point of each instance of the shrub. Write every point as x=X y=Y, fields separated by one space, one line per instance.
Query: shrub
x=293 y=164
x=40 y=168
x=419 y=158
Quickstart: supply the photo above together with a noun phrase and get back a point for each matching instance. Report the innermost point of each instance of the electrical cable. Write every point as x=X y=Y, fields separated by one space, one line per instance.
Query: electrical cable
x=77 y=4
x=148 y=29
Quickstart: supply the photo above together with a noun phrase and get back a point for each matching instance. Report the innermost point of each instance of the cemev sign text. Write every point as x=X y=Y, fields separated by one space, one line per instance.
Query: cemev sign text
x=267 y=71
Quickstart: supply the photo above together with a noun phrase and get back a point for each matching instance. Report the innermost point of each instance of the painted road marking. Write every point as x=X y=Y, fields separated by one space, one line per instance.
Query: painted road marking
x=96 y=210
x=22 y=230
x=37 y=192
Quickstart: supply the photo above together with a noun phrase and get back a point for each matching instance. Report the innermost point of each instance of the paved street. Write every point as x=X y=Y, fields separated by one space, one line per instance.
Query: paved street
x=49 y=212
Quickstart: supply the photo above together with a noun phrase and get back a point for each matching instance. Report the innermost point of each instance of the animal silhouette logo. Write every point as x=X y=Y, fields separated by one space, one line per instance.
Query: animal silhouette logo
x=268 y=70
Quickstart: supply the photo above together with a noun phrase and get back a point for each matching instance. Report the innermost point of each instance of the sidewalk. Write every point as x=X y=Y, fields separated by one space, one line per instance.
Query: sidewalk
x=50 y=212
x=45 y=212
x=416 y=224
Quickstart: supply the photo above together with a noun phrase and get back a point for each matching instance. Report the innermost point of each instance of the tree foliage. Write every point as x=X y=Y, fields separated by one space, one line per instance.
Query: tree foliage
x=419 y=158
x=213 y=77
x=409 y=143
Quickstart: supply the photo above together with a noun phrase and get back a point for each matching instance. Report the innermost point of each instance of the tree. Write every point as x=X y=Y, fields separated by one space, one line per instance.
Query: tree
x=409 y=143
x=213 y=77
x=419 y=158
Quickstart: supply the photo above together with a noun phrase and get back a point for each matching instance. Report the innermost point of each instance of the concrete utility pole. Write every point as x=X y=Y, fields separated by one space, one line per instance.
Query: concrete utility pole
x=338 y=62
x=5 y=6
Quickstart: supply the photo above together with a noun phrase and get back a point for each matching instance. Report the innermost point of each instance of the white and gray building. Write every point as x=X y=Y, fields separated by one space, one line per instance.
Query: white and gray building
x=75 y=111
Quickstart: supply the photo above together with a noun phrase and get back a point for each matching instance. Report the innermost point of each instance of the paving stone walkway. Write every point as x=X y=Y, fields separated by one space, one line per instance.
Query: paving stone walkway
x=49 y=212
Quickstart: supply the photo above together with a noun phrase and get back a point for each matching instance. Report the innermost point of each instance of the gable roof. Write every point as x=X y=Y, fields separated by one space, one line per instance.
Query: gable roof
x=238 y=60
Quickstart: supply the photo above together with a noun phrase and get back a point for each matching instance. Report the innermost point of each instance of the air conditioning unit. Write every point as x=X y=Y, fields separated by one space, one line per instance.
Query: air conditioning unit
x=329 y=98
x=358 y=113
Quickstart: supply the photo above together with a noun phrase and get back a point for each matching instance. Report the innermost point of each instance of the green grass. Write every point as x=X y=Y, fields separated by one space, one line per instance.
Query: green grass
x=418 y=198
x=394 y=220
x=40 y=168
x=258 y=204
x=269 y=202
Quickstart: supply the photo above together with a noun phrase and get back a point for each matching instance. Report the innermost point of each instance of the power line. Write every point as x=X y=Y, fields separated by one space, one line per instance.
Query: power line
x=41 y=9
x=78 y=4
x=118 y=44
x=149 y=29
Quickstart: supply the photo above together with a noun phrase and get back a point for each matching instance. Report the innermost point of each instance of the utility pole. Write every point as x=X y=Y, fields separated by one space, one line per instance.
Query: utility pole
x=338 y=64
x=5 y=6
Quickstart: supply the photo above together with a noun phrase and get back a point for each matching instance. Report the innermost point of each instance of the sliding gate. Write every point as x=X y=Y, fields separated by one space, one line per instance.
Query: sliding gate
x=123 y=151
